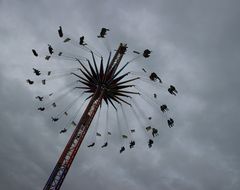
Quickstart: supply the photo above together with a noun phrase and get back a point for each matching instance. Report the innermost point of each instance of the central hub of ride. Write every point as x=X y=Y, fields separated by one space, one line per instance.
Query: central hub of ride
x=107 y=79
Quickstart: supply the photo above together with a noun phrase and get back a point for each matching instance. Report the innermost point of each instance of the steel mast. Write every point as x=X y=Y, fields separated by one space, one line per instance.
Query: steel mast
x=64 y=163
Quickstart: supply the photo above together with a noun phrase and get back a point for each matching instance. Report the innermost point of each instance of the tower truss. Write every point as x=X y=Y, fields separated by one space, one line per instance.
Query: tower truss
x=101 y=85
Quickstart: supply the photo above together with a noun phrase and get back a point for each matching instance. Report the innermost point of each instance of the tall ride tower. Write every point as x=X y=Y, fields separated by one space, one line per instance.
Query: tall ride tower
x=102 y=84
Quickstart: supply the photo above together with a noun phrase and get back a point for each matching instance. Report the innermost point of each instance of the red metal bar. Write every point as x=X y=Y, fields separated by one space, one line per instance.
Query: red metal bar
x=64 y=163
x=66 y=159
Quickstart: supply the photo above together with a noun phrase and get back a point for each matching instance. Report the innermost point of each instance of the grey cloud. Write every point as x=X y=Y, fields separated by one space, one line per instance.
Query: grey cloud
x=195 y=46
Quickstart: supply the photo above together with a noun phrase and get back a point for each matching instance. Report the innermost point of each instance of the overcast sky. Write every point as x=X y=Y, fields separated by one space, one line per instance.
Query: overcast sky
x=195 y=46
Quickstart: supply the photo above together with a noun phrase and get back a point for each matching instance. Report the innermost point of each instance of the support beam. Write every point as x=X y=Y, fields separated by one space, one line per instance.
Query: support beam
x=60 y=171
x=64 y=163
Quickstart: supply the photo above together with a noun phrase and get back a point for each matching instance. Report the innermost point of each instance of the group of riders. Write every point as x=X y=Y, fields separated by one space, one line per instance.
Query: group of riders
x=153 y=77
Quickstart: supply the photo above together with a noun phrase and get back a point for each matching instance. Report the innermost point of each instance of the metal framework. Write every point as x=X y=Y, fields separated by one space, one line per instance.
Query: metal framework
x=101 y=85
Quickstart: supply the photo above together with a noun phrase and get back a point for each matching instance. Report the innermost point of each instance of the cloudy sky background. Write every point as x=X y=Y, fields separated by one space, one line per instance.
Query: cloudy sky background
x=195 y=46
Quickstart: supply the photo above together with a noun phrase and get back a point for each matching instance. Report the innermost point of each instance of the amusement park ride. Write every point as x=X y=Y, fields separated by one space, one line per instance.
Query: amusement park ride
x=102 y=84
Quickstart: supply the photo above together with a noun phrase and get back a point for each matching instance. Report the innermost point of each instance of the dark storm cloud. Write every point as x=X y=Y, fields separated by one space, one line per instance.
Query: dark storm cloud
x=195 y=46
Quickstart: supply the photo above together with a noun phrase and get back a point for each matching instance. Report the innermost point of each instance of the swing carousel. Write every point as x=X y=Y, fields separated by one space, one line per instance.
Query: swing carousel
x=93 y=86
